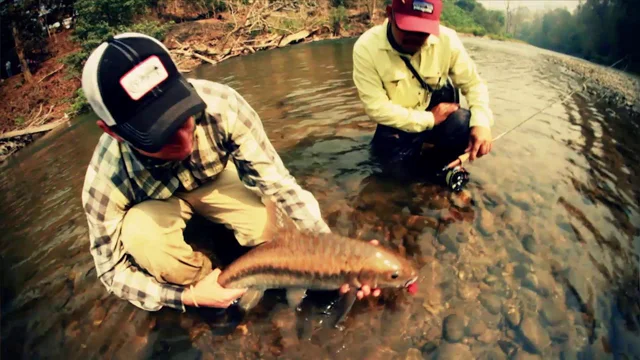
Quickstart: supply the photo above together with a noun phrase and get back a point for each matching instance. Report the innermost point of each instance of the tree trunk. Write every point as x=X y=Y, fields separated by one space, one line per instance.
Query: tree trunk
x=20 y=51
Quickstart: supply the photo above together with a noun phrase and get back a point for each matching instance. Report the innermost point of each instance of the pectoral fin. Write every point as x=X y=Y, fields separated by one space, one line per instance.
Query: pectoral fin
x=250 y=299
x=295 y=296
x=344 y=306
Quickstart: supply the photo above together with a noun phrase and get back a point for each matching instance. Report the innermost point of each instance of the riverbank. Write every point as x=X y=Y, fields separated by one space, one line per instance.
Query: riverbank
x=606 y=83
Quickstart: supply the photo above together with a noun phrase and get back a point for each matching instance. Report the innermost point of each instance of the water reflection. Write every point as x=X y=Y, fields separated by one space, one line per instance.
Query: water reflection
x=536 y=256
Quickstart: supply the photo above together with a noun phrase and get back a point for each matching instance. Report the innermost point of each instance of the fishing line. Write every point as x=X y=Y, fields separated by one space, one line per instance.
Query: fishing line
x=456 y=177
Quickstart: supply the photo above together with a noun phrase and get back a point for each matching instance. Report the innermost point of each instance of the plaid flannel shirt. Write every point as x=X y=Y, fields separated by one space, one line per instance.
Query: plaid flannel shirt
x=117 y=179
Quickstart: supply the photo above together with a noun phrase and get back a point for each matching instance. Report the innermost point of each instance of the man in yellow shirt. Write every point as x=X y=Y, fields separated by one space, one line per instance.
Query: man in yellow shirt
x=407 y=72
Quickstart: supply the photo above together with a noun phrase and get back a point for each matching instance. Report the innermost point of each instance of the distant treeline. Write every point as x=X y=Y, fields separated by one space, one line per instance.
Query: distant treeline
x=601 y=31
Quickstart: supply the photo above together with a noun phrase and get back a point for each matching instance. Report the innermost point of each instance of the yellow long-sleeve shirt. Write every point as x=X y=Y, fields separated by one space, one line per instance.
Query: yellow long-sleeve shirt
x=393 y=97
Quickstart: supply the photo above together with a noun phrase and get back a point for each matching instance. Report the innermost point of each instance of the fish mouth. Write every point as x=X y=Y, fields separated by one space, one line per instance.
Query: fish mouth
x=411 y=281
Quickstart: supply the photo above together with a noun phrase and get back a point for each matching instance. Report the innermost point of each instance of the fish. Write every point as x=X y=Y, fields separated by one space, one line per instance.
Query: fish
x=299 y=261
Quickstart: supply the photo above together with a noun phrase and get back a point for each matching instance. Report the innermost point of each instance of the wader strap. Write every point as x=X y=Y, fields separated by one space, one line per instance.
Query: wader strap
x=415 y=73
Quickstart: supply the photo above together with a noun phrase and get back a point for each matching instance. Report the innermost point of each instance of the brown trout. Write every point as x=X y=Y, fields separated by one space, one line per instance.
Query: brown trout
x=297 y=262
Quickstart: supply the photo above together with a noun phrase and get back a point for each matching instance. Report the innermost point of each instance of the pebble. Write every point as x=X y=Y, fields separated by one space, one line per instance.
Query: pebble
x=450 y=351
x=449 y=242
x=507 y=347
x=461 y=199
x=453 y=328
x=513 y=215
x=487 y=222
x=413 y=354
x=513 y=316
x=489 y=337
x=569 y=354
x=523 y=355
x=552 y=312
x=493 y=354
x=491 y=302
x=476 y=327
x=530 y=281
x=530 y=244
x=535 y=336
x=467 y=292
x=522 y=200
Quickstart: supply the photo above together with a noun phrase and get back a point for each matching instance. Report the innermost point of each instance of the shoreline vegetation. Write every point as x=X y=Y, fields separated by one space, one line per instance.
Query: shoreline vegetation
x=208 y=32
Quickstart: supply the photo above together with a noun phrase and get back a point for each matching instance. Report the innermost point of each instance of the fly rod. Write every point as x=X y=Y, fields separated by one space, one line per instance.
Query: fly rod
x=456 y=177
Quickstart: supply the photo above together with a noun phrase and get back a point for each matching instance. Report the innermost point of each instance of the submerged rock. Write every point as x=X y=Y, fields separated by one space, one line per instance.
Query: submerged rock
x=491 y=302
x=535 y=336
x=453 y=328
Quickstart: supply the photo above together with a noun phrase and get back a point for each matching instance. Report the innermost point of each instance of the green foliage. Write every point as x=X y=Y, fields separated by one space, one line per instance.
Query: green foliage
x=599 y=30
x=99 y=19
x=79 y=103
x=338 y=19
x=19 y=120
x=457 y=18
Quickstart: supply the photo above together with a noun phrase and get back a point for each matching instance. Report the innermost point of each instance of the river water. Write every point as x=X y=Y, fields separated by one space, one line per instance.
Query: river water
x=537 y=258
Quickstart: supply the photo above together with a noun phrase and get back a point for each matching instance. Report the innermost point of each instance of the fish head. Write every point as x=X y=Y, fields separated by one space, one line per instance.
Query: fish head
x=390 y=269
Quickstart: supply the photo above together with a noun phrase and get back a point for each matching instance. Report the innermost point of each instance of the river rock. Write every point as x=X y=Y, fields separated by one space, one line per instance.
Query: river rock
x=461 y=199
x=467 y=292
x=579 y=288
x=530 y=243
x=507 y=347
x=569 y=354
x=413 y=354
x=452 y=351
x=489 y=337
x=552 y=312
x=513 y=316
x=449 y=241
x=493 y=354
x=487 y=222
x=522 y=200
x=476 y=327
x=520 y=271
x=491 y=302
x=535 y=336
x=453 y=328
x=523 y=355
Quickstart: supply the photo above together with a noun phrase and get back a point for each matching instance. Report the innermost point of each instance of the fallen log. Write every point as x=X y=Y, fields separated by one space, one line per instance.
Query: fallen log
x=300 y=35
x=51 y=73
x=31 y=130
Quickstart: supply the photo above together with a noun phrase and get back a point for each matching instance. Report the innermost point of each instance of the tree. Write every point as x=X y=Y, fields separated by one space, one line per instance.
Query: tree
x=28 y=34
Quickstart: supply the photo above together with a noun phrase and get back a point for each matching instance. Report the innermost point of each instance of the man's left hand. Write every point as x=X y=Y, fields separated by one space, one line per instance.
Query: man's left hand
x=480 y=142
x=365 y=290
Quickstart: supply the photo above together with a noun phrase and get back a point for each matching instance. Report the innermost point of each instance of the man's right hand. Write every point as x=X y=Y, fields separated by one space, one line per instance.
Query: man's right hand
x=208 y=293
x=442 y=111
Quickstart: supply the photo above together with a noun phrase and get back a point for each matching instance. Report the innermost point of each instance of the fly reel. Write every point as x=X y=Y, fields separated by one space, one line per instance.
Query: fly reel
x=456 y=178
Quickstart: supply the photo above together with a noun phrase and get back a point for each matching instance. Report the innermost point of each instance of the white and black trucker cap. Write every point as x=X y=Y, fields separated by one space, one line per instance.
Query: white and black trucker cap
x=134 y=86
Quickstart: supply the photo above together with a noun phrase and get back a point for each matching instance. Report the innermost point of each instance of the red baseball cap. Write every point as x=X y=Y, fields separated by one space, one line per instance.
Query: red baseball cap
x=418 y=15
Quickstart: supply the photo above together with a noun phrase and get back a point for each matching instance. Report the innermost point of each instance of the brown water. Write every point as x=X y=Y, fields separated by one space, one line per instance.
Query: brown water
x=539 y=254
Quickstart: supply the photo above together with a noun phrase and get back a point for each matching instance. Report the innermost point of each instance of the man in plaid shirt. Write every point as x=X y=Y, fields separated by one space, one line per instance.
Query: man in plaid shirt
x=174 y=147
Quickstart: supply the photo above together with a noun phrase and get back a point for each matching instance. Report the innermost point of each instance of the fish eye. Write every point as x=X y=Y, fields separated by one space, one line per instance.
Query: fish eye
x=394 y=275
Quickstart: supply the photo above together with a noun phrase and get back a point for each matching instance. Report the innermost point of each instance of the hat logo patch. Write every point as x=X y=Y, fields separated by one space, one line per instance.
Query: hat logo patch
x=144 y=77
x=423 y=6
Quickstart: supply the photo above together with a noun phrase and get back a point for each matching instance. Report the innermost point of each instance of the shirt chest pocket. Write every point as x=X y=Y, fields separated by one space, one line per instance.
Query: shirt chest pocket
x=402 y=88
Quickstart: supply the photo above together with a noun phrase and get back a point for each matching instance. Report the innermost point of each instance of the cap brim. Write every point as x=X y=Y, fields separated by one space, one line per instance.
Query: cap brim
x=417 y=24
x=150 y=129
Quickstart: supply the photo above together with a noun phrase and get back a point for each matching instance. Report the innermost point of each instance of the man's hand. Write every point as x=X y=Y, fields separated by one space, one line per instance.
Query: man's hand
x=208 y=293
x=480 y=142
x=365 y=290
x=442 y=111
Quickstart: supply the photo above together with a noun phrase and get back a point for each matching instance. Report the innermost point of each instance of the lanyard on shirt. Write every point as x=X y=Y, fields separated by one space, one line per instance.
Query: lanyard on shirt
x=415 y=73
